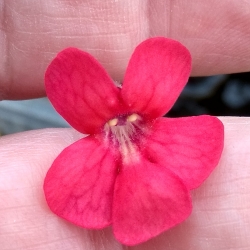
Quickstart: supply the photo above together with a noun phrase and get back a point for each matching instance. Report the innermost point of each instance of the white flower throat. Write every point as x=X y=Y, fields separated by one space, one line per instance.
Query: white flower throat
x=125 y=133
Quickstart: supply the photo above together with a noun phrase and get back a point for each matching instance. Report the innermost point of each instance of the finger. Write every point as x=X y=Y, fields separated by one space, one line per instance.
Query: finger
x=220 y=218
x=32 y=32
x=217 y=34
x=25 y=219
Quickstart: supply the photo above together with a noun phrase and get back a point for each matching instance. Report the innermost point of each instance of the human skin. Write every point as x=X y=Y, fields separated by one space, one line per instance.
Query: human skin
x=33 y=31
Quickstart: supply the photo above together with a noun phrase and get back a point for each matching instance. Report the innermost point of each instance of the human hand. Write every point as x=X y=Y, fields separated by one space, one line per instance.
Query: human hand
x=110 y=30
x=34 y=31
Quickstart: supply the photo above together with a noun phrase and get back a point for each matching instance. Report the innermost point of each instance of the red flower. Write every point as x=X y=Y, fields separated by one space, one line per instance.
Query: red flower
x=134 y=170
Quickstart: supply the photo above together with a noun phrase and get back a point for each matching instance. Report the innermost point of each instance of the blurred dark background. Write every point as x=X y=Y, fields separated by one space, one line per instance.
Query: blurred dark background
x=220 y=95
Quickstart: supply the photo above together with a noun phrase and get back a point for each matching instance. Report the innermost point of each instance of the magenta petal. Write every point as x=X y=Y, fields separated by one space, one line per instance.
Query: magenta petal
x=148 y=200
x=81 y=91
x=157 y=72
x=190 y=147
x=80 y=183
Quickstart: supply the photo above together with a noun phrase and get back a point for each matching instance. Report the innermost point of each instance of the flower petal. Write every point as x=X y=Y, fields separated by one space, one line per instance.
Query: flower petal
x=80 y=183
x=148 y=200
x=157 y=72
x=81 y=91
x=190 y=147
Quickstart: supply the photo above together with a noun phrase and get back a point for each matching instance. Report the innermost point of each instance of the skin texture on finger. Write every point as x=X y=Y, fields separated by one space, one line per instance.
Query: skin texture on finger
x=220 y=219
x=34 y=31
x=25 y=219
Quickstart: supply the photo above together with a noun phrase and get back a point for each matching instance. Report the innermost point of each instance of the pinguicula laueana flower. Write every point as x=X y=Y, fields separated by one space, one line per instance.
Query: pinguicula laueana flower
x=135 y=169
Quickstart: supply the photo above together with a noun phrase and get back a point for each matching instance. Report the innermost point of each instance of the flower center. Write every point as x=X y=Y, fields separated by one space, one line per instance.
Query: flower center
x=125 y=133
